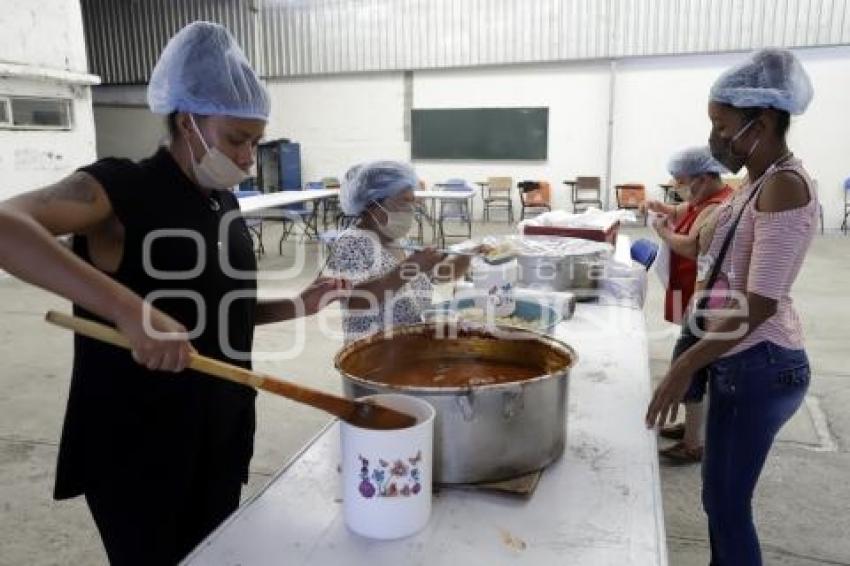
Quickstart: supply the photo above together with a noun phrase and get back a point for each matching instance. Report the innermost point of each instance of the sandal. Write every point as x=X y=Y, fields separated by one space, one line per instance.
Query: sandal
x=681 y=454
x=675 y=432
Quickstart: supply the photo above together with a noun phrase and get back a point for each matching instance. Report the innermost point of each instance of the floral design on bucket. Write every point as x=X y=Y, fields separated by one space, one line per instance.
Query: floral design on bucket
x=397 y=479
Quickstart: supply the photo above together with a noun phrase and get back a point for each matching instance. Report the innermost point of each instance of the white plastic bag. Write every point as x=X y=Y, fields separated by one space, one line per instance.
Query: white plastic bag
x=662 y=264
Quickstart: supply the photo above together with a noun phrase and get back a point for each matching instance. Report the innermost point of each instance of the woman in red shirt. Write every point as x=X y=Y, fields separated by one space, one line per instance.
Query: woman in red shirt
x=697 y=176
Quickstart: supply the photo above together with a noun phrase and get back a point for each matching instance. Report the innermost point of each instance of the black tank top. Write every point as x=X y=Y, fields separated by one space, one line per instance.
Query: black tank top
x=183 y=256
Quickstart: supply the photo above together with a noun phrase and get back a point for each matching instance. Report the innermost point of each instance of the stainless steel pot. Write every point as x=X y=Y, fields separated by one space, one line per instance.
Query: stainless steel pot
x=485 y=432
x=564 y=273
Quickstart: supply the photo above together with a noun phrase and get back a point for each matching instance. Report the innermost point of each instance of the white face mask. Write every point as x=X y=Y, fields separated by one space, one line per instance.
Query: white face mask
x=216 y=170
x=399 y=222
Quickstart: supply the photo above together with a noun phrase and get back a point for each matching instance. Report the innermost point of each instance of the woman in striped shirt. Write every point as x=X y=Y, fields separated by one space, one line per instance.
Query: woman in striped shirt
x=758 y=370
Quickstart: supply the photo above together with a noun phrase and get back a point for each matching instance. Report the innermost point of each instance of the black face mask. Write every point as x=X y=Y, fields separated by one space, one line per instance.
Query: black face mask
x=722 y=150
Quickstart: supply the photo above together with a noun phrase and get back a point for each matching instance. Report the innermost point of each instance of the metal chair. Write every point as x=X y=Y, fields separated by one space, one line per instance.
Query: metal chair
x=453 y=211
x=330 y=206
x=422 y=217
x=587 y=191
x=671 y=196
x=254 y=223
x=304 y=216
x=534 y=196
x=631 y=196
x=496 y=194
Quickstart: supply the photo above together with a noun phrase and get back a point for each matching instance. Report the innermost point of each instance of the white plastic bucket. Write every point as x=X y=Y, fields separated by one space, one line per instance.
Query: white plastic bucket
x=386 y=474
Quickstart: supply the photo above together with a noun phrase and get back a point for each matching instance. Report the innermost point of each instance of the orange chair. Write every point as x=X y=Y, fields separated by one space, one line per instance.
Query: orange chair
x=534 y=195
x=631 y=196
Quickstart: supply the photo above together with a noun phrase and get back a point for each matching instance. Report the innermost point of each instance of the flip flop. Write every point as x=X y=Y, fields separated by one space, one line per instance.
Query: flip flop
x=675 y=432
x=680 y=454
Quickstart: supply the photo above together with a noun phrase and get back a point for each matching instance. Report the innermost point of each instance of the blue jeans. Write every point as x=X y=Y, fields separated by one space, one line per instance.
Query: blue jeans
x=752 y=394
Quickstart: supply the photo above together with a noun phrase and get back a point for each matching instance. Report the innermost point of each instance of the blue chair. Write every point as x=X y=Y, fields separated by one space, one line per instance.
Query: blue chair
x=644 y=252
x=254 y=223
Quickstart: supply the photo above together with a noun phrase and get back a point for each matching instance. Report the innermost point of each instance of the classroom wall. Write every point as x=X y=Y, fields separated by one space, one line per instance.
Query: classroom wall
x=340 y=120
x=660 y=107
x=577 y=97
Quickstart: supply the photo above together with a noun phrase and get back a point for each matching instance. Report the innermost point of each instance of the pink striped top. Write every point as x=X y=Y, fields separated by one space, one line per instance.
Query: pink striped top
x=765 y=256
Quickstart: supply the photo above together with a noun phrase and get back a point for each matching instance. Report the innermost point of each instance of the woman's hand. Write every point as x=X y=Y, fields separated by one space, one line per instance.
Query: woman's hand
x=460 y=263
x=315 y=297
x=654 y=206
x=426 y=259
x=662 y=227
x=157 y=341
x=669 y=393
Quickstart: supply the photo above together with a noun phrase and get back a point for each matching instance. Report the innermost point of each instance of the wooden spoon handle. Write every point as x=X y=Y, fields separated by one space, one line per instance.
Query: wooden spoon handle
x=338 y=406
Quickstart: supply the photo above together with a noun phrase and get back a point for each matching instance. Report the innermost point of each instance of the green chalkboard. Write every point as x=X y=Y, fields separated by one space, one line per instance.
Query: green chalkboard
x=480 y=133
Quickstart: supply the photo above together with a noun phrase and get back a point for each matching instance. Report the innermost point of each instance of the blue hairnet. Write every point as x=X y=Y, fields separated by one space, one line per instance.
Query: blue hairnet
x=694 y=161
x=370 y=182
x=203 y=71
x=771 y=78
x=352 y=171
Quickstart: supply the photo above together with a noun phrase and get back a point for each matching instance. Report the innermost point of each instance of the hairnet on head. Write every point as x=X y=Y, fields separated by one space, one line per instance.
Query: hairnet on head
x=694 y=161
x=352 y=171
x=771 y=78
x=371 y=182
x=203 y=71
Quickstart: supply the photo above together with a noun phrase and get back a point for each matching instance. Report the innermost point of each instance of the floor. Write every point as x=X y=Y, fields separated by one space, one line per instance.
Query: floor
x=801 y=505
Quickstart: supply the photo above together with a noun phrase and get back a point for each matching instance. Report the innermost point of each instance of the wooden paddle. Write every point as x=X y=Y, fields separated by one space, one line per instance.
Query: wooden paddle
x=358 y=413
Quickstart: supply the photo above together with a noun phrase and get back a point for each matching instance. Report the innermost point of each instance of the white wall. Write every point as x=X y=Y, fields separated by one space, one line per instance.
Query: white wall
x=127 y=131
x=125 y=126
x=44 y=35
x=340 y=121
x=577 y=97
x=821 y=137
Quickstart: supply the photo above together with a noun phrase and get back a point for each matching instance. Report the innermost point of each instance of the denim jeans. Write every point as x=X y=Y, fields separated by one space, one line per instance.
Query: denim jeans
x=752 y=394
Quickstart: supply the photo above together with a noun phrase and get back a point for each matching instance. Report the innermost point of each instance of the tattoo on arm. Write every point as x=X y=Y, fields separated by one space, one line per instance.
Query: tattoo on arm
x=75 y=188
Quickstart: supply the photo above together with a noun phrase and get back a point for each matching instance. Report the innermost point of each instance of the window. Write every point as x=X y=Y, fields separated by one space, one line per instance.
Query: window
x=25 y=113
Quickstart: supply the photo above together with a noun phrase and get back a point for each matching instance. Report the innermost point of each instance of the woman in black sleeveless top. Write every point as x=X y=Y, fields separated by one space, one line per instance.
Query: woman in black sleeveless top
x=159 y=457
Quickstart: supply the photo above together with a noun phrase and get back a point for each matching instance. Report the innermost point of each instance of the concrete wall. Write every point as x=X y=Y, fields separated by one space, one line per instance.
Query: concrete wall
x=127 y=131
x=660 y=107
x=577 y=97
x=44 y=35
x=341 y=120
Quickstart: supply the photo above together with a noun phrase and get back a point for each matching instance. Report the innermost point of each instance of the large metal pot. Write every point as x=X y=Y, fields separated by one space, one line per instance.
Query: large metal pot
x=566 y=273
x=482 y=432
